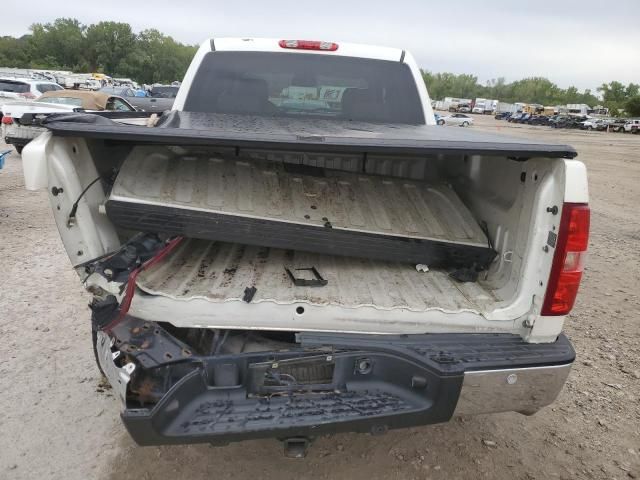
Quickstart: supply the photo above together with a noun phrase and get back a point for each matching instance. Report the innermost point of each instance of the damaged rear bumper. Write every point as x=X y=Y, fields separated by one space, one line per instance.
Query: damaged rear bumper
x=330 y=383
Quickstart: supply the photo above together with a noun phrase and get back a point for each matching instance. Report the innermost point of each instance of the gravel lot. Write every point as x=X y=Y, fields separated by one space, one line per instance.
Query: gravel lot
x=60 y=422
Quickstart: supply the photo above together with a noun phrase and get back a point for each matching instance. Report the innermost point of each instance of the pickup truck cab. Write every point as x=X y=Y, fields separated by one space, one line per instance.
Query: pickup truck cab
x=297 y=249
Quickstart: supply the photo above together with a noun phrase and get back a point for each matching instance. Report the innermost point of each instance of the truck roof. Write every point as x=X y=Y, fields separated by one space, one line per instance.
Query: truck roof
x=273 y=45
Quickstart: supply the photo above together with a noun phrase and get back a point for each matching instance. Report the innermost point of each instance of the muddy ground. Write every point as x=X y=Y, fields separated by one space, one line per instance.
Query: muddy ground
x=59 y=422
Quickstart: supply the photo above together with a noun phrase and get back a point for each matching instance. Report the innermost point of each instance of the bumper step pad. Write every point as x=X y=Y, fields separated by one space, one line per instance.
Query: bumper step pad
x=227 y=417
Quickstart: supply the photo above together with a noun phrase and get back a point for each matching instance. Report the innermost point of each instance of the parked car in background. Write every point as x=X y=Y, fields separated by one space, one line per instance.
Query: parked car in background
x=515 y=117
x=464 y=109
x=19 y=132
x=632 y=125
x=458 y=119
x=160 y=97
x=24 y=89
x=439 y=120
x=591 y=123
x=569 y=122
x=617 y=125
x=539 y=120
x=523 y=118
x=503 y=116
x=605 y=124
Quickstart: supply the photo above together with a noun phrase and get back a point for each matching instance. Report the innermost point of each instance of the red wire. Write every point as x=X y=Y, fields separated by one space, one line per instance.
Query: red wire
x=131 y=281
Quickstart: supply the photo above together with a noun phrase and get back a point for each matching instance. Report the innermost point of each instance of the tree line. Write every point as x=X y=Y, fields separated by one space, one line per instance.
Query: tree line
x=150 y=56
x=107 y=47
x=615 y=95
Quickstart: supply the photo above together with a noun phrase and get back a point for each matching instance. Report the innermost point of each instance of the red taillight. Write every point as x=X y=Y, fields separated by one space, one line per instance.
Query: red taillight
x=28 y=95
x=568 y=260
x=308 y=45
x=6 y=120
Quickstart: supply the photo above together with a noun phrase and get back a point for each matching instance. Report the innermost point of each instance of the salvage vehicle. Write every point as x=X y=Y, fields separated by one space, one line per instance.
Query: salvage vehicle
x=515 y=117
x=262 y=268
x=23 y=88
x=590 y=123
x=539 y=120
x=606 y=124
x=458 y=119
x=569 y=121
x=617 y=125
x=160 y=97
x=632 y=125
x=19 y=132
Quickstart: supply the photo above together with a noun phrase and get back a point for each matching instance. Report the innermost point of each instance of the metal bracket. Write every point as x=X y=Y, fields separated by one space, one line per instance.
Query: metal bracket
x=318 y=281
x=296 y=447
x=118 y=377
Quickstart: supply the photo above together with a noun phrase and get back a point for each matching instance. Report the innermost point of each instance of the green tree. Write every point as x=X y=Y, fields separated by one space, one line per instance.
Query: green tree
x=159 y=58
x=632 y=107
x=107 y=44
x=15 y=52
x=60 y=44
x=614 y=96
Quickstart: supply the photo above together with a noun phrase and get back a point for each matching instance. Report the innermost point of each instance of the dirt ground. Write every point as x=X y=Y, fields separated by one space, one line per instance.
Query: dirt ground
x=59 y=422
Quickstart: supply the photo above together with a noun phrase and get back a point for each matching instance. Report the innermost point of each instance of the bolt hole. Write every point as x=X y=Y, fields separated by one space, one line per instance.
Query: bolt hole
x=313 y=207
x=74 y=149
x=156 y=331
x=80 y=253
x=186 y=353
x=58 y=207
x=300 y=310
x=364 y=366
x=307 y=217
x=168 y=356
x=535 y=177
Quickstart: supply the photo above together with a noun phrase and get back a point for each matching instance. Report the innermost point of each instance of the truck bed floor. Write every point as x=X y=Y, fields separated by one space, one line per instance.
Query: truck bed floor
x=219 y=272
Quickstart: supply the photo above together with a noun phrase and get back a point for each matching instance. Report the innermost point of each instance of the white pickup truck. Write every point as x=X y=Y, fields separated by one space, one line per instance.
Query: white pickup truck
x=297 y=250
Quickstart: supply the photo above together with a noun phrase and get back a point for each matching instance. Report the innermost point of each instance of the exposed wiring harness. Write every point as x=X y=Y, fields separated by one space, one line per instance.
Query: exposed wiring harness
x=131 y=281
x=74 y=207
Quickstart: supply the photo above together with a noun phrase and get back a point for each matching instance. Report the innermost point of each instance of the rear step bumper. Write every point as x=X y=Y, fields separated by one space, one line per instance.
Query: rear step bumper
x=359 y=383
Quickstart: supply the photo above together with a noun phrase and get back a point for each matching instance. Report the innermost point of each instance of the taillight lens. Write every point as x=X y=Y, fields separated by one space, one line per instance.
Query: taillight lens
x=568 y=260
x=308 y=45
x=7 y=120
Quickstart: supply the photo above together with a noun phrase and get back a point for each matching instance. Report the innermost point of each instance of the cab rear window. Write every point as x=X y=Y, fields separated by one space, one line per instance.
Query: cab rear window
x=305 y=85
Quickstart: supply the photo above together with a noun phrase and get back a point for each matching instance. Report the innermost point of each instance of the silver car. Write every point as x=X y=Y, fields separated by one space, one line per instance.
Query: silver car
x=459 y=119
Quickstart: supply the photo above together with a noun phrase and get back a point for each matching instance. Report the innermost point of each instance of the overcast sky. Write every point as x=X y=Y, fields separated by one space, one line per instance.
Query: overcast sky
x=571 y=42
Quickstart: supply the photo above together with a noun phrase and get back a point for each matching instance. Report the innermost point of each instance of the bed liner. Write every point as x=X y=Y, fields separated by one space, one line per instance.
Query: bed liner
x=273 y=204
x=322 y=135
x=218 y=273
